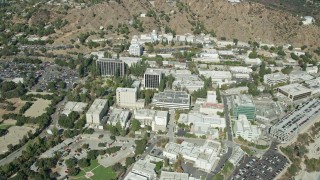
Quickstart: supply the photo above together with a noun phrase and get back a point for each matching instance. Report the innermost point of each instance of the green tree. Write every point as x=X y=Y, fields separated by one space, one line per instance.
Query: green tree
x=135 y=125
x=84 y=162
x=129 y=161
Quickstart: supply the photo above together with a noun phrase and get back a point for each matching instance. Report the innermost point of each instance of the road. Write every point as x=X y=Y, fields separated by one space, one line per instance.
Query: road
x=226 y=156
x=54 y=122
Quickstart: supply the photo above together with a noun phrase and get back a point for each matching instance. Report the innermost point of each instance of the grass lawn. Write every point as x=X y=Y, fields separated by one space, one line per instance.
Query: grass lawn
x=5 y=126
x=99 y=172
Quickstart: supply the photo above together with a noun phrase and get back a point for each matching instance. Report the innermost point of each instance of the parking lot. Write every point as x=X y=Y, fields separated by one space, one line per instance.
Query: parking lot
x=268 y=167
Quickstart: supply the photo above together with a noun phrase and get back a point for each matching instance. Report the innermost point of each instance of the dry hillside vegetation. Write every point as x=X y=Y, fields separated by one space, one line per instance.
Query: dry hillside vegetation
x=247 y=21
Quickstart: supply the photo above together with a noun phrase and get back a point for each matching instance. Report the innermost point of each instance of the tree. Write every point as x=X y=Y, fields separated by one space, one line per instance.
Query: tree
x=140 y=146
x=129 y=161
x=253 y=54
x=74 y=171
x=84 y=162
x=162 y=85
x=71 y=162
x=218 y=95
x=135 y=125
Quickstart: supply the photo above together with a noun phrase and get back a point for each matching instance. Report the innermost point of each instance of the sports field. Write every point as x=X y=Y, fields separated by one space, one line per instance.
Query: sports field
x=96 y=172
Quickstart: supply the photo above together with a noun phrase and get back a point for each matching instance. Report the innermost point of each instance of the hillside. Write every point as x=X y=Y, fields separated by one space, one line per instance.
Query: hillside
x=247 y=21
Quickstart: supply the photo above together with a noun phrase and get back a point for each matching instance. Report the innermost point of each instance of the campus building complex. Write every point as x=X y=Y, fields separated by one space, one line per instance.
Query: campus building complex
x=128 y=97
x=275 y=78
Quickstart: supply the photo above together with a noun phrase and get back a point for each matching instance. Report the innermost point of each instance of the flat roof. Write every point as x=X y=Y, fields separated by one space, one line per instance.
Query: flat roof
x=150 y=71
x=173 y=176
x=97 y=106
x=294 y=89
x=74 y=106
x=276 y=76
x=243 y=100
x=168 y=96
x=119 y=89
x=144 y=167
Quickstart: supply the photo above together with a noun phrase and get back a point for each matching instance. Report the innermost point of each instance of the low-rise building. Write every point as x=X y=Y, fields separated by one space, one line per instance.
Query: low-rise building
x=243 y=128
x=211 y=108
x=275 y=78
x=204 y=157
x=96 y=111
x=142 y=170
x=314 y=85
x=188 y=82
x=300 y=76
x=202 y=124
x=175 y=176
x=135 y=49
x=253 y=62
x=172 y=100
x=301 y=118
x=130 y=60
x=294 y=91
x=217 y=76
x=74 y=106
x=240 y=70
x=156 y=119
x=119 y=116
x=312 y=70
x=237 y=155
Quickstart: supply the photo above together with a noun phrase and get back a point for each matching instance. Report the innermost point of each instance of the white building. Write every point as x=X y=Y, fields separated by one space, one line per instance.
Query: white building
x=256 y=61
x=300 y=76
x=294 y=91
x=172 y=100
x=156 y=119
x=96 y=111
x=307 y=20
x=240 y=70
x=204 y=157
x=118 y=116
x=128 y=97
x=130 y=60
x=202 y=124
x=237 y=155
x=142 y=170
x=188 y=82
x=211 y=97
x=275 y=78
x=216 y=76
x=135 y=49
x=175 y=176
x=314 y=85
x=74 y=106
x=312 y=70
x=208 y=56
x=244 y=129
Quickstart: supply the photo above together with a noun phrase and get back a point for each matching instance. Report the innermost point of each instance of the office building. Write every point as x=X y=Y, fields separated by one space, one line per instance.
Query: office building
x=243 y=128
x=96 y=111
x=187 y=82
x=111 y=67
x=204 y=157
x=300 y=76
x=294 y=91
x=130 y=60
x=253 y=62
x=118 y=116
x=175 y=176
x=240 y=70
x=314 y=85
x=156 y=119
x=74 y=106
x=312 y=70
x=275 y=78
x=135 y=49
x=243 y=104
x=128 y=98
x=216 y=76
x=237 y=155
x=202 y=124
x=211 y=97
x=296 y=121
x=142 y=170
x=152 y=78
x=172 y=100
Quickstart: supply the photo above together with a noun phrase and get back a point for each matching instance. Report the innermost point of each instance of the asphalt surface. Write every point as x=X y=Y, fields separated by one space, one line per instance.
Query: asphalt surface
x=224 y=158
x=268 y=167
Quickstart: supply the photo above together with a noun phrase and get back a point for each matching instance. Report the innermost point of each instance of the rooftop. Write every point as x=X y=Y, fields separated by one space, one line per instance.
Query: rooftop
x=243 y=100
x=143 y=167
x=178 y=97
x=153 y=71
x=74 y=106
x=126 y=89
x=294 y=89
x=173 y=176
x=97 y=106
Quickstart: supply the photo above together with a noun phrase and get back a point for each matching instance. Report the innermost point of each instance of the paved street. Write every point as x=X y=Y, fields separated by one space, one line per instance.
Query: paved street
x=226 y=156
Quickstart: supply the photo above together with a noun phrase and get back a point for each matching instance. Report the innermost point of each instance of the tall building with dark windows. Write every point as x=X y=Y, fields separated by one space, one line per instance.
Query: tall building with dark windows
x=152 y=78
x=111 y=67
